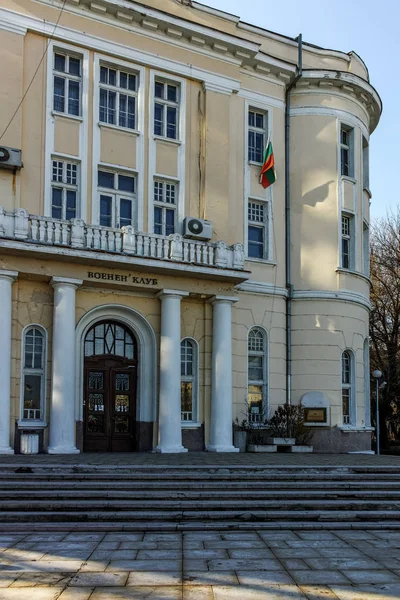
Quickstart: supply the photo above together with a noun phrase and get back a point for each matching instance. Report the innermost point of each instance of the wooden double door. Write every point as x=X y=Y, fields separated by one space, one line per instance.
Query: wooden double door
x=110 y=404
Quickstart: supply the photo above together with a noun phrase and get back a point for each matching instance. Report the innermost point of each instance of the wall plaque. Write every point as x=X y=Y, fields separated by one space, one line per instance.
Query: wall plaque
x=315 y=415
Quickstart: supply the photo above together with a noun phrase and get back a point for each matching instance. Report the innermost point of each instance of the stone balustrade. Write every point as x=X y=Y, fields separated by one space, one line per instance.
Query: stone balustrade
x=22 y=226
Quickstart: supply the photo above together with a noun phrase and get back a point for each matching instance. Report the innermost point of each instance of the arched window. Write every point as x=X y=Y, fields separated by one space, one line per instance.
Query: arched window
x=110 y=338
x=257 y=375
x=188 y=380
x=33 y=384
x=348 y=388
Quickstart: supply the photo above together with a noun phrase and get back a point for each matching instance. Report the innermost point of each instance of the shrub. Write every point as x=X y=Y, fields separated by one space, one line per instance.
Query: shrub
x=288 y=422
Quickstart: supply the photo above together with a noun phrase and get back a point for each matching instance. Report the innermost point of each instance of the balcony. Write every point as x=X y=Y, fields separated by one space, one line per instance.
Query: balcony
x=51 y=238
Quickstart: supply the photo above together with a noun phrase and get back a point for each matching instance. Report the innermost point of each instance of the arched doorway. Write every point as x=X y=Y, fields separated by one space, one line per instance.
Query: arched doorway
x=110 y=381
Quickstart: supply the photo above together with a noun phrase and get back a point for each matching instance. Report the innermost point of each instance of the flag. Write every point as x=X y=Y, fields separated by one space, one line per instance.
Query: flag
x=268 y=175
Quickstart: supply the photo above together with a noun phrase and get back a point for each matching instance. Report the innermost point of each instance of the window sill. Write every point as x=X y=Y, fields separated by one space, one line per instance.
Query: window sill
x=118 y=128
x=354 y=428
x=78 y=118
x=354 y=273
x=368 y=192
x=263 y=261
x=255 y=163
x=348 y=178
x=31 y=424
x=190 y=424
x=161 y=138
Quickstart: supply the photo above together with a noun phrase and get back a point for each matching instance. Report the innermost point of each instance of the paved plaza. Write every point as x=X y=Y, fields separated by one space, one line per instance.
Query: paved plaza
x=201 y=565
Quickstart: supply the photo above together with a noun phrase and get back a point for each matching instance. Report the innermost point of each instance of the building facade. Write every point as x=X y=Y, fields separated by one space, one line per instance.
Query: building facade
x=150 y=288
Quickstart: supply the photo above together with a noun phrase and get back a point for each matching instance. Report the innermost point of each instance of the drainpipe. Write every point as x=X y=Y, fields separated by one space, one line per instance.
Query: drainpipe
x=289 y=285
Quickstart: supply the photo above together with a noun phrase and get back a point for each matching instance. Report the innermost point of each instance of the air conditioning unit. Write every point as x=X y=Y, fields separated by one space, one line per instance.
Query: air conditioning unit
x=10 y=158
x=198 y=229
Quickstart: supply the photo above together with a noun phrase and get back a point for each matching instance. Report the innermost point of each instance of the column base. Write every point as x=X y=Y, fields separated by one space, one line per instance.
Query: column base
x=62 y=450
x=170 y=449
x=6 y=450
x=218 y=448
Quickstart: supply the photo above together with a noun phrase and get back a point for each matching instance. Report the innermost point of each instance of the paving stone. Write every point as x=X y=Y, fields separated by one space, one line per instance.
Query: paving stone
x=240 y=536
x=342 y=563
x=84 y=537
x=296 y=553
x=7 y=580
x=281 y=592
x=144 y=565
x=247 y=553
x=316 y=535
x=318 y=592
x=198 y=593
x=138 y=546
x=123 y=537
x=355 y=535
x=209 y=578
x=381 y=576
x=107 y=546
x=44 y=593
x=341 y=553
x=66 y=555
x=46 y=566
x=228 y=544
x=43 y=579
x=162 y=537
x=76 y=593
x=201 y=535
x=264 y=578
x=317 y=544
x=159 y=554
x=216 y=553
x=153 y=578
x=138 y=593
x=366 y=592
x=99 y=579
x=278 y=535
x=108 y=555
x=315 y=577
x=196 y=564
x=94 y=566
x=45 y=537
x=293 y=564
x=236 y=564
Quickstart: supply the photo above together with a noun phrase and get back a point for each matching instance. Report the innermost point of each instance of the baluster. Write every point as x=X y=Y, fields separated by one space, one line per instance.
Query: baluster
x=103 y=239
x=185 y=251
x=89 y=237
x=96 y=238
x=152 y=247
x=42 y=231
x=57 y=232
x=118 y=241
x=146 y=244
x=111 y=241
x=165 y=249
x=192 y=252
x=34 y=230
x=139 y=250
x=65 y=232
x=198 y=253
x=210 y=255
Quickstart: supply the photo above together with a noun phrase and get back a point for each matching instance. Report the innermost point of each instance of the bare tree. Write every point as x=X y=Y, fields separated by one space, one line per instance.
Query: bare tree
x=385 y=316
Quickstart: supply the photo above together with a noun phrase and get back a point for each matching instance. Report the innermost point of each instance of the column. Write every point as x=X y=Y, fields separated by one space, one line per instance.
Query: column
x=62 y=402
x=169 y=410
x=7 y=278
x=221 y=376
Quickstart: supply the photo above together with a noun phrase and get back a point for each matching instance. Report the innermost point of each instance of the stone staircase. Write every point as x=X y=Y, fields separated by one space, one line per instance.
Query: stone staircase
x=114 y=497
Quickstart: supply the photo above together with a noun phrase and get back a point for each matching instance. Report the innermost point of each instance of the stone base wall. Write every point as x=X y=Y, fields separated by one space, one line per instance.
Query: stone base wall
x=337 y=441
x=193 y=439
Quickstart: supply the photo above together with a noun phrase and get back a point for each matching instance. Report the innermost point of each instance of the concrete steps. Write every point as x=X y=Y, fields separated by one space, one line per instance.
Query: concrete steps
x=109 y=497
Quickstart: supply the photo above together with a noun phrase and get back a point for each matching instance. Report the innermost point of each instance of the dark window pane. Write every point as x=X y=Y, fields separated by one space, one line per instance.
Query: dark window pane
x=171 y=122
x=123 y=80
x=187 y=396
x=158 y=220
x=122 y=110
x=59 y=94
x=74 y=66
x=172 y=93
x=103 y=106
x=158 y=119
x=345 y=161
x=105 y=211
x=125 y=211
x=59 y=62
x=103 y=74
x=32 y=389
x=112 y=77
x=112 y=102
x=169 y=221
x=345 y=253
x=251 y=119
x=260 y=120
x=132 y=82
x=71 y=205
x=131 y=112
x=56 y=201
x=73 y=98
x=126 y=183
x=105 y=179
x=256 y=242
x=159 y=89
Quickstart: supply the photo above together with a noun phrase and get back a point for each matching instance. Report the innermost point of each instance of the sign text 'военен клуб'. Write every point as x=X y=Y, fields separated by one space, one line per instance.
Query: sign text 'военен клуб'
x=123 y=278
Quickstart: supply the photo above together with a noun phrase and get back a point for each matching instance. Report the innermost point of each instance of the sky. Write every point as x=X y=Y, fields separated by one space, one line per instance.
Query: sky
x=369 y=28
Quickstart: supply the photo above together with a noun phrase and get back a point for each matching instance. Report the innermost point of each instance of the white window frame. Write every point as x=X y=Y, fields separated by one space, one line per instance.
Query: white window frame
x=117 y=196
x=262 y=382
x=350 y=419
x=366 y=249
x=195 y=383
x=264 y=225
x=256 y=130
x=349 y=147
x=348 y=235
x=166 y=104
x=30 y=422
x=164 y=205
x=68 y=77
x=118 y=90
x=65 y=185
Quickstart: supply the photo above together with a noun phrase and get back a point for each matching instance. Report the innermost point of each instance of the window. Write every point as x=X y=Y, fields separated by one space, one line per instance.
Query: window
x=347 y=151
x=118 y=97
x=347 y=387
x=365 y=157
x=165 y=197
x=188 y=380
x=256 y=135
x=64 y=190
x=117 y=199
x=257 y=215
x=67 y=84
x=110 y=338
x=257 y=375
x=166 y=109
x=347 y=241
x=33 y=374
x=366 y=249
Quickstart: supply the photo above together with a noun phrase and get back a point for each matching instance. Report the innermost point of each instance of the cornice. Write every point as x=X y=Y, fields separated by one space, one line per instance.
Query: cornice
x=347 y=84
x=341 y=296
x=259 y=287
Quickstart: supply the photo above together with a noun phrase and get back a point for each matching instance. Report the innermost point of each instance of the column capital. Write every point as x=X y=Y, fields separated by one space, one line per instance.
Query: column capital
x=65 y=281
x=10 y=275
x=228 y=299
x=172 y=294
